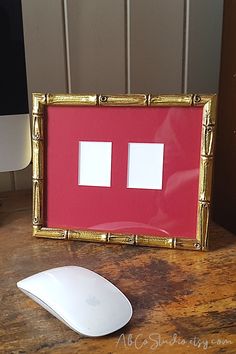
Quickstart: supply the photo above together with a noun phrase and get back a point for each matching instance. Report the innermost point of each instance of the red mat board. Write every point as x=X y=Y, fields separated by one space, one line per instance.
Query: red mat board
x=170 y=211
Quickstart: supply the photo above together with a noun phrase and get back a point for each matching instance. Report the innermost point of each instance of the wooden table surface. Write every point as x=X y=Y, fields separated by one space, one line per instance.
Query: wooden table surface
x=183 y=301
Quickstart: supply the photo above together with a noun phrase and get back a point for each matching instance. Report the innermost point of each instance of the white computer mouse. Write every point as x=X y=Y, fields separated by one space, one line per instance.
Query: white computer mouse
x=85 y=301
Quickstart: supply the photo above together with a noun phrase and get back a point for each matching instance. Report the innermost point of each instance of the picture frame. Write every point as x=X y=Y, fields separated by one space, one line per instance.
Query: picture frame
x=166 y=203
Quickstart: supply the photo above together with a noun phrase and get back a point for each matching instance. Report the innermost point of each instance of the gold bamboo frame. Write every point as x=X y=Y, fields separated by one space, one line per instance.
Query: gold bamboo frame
x=208 y=102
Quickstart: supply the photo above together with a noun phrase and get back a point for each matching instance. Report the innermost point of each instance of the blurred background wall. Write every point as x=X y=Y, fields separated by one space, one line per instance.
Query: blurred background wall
x=119 y=46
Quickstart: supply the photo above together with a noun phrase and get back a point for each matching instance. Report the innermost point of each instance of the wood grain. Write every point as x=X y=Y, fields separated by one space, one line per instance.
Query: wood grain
x=177 y=296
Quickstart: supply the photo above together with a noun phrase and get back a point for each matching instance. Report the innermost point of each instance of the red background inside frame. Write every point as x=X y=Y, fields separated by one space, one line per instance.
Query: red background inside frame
x=171 y=211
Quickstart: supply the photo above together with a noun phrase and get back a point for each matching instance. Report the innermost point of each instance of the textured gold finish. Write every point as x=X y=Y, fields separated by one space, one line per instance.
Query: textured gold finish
x=36 y=228
x=77 y=100
x=37 y=127
x=205 y=182
x=123 y=100
x=47 y=232
x=198 y=100
x=206 y=165
x=208 y=102
x=208 y=133
x=203 y=220
x=171 y=100
x=153 y=241
x=39 y=100
x=37 y=202
x=187 y=244
x=121 y=239
x=38 y=150
x=89 y=236
x=209 y=110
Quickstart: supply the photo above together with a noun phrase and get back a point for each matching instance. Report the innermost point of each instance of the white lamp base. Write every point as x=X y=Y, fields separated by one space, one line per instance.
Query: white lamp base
x=15 y=142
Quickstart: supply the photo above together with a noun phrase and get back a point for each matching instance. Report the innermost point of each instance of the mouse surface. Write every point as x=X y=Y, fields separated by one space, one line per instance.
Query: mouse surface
x=82 y=299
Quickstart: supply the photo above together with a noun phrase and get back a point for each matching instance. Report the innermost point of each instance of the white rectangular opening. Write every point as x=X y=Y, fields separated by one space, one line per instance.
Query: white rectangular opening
x=94 y=163
x=145 y=165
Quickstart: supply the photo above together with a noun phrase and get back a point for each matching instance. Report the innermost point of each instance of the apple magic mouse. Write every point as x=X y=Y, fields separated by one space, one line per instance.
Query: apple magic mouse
x=82 y=299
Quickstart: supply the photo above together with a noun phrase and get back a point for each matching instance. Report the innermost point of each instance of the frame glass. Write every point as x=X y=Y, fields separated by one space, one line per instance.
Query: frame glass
x=124 y=169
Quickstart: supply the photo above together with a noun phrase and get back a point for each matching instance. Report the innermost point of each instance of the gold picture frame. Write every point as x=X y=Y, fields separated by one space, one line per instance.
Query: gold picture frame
x=208 y=104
